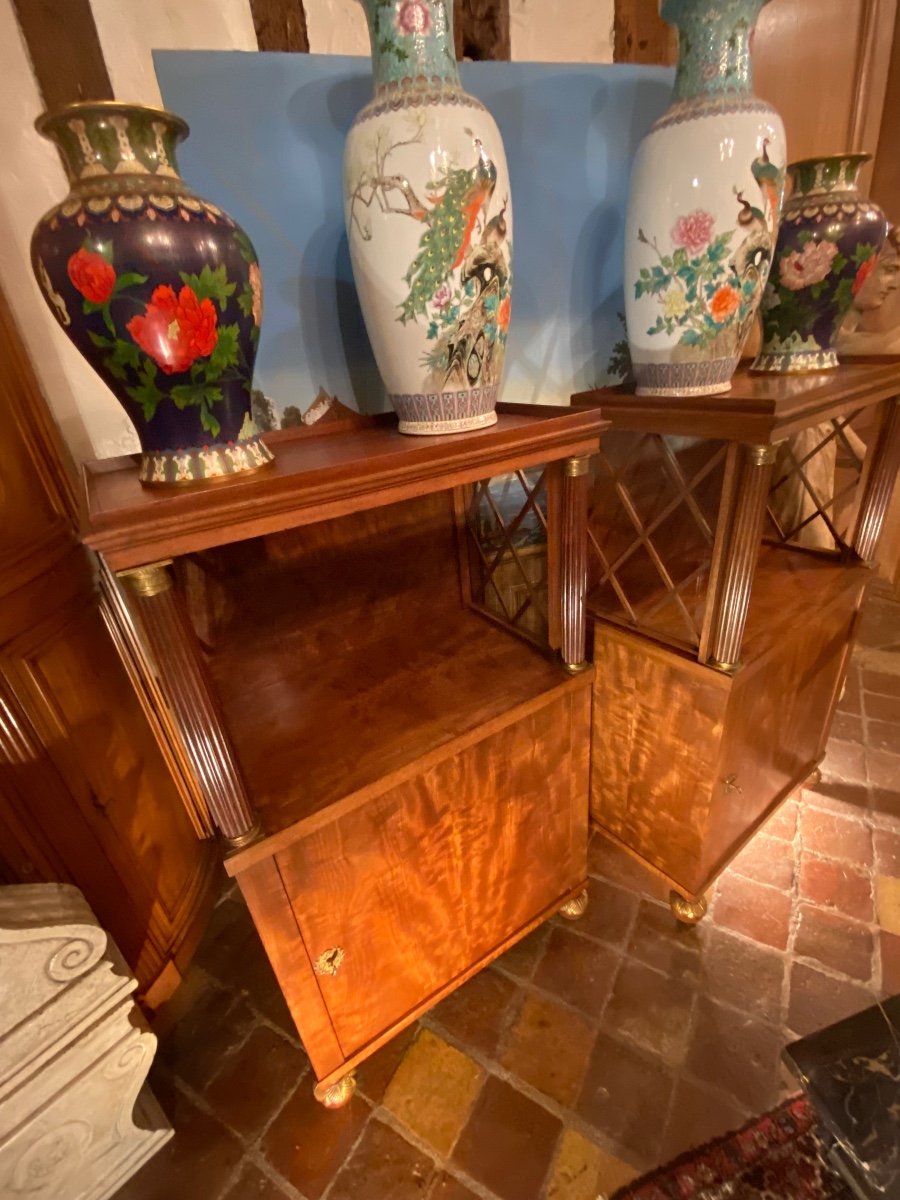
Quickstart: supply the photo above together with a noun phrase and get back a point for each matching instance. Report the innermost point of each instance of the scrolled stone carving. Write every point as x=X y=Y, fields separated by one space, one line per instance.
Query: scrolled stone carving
x=75 y=958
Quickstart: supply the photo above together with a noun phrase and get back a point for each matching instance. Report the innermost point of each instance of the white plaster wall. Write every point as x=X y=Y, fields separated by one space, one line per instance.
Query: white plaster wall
x=336 y=27
x=31 y=182
x=130 y=30
x=552 y=31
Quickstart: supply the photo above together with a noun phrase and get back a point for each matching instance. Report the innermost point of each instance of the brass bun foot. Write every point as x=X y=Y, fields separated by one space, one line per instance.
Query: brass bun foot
x=576 y=907
x=336 y=1095
x=576 y=668
x=688 y=912
x=814 y=780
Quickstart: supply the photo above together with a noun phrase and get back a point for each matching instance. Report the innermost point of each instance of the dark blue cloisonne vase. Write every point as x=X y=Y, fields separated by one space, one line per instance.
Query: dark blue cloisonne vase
x=828 y=246
x=159 y=289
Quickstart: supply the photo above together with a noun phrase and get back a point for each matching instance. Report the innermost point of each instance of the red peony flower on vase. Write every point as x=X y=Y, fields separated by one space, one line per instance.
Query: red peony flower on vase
x=92 y=275
x=724 y=303
x=504 y=313
x=863 y=274
x=175 y=329
x=412 y=17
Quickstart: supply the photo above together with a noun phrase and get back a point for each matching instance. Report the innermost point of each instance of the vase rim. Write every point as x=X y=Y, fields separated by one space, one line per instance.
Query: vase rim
x=78 y=107
x=855 y=156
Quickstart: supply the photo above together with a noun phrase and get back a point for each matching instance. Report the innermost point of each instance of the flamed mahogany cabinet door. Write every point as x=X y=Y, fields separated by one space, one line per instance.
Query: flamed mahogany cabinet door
x=435 y=874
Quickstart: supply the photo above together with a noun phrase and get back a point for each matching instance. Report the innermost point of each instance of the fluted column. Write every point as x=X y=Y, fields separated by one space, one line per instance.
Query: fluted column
x=573 y=529
x=880 y=483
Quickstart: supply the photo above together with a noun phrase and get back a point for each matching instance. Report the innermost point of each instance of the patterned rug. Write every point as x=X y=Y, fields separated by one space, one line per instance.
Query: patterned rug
x=777 y=1156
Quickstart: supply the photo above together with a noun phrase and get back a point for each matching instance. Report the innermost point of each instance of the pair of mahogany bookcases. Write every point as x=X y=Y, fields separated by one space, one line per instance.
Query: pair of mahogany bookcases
x=409 y=673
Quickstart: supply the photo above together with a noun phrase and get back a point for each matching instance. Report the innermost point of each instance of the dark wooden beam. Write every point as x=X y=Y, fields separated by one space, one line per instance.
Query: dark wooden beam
x=280 y=25
x=481 y=29
x=65 y=50
x=642 y=36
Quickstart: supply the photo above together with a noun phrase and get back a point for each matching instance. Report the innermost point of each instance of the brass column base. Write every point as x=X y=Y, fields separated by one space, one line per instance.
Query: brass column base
x=240 y=840
x=688 y=912
x=336 y=1095
x=576 y=907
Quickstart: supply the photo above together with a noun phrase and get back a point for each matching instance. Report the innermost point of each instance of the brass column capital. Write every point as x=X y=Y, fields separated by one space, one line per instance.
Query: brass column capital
x=149 y=580
x=762 y=455
x=576 y=466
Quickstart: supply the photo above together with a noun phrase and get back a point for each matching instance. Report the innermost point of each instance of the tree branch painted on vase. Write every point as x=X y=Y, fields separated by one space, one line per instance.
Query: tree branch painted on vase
x=460 y=278
x=177 y=331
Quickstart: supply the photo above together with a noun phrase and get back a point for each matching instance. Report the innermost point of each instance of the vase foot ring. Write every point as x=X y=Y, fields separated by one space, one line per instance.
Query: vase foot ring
x=710 y=389
x=435 y=428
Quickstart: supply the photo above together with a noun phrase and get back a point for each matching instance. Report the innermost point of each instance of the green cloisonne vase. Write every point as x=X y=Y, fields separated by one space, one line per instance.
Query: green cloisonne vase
x=827 y=248
x=429 y=224
x=159 y=289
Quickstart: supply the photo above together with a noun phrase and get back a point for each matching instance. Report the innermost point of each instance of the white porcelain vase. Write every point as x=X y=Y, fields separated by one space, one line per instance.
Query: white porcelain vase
x=705 y=200
x=429 y=223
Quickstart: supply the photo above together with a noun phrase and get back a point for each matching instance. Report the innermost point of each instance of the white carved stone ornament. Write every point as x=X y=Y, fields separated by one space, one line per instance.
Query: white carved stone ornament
x=76 y=1118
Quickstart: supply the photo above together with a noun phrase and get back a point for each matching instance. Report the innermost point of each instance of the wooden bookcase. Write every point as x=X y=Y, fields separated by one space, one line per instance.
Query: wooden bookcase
x=384 y=696
x=730 y=540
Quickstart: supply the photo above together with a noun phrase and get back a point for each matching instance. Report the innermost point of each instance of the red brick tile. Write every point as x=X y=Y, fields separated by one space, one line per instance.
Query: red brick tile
x=847 y=727
x=735 y=1053
x=882 y=708
x=743 y=974
x=883 y=735
x=758 y=912
x=255 y=1081
x=202 y=1149
x=522 y=958
x=783 y=822
x=383 y=1166
x=477 y=1012
x=851 y=697
x=626 y=1095
x=835 y=942
x=845 y=761
x=833 y=836
x=578 y=970
x=609 y=861
x=508 y=1142
x=767 y=860
x=374 y=1074
x=309 y=1143
x=887 y=852
x=252 y=1184
x=699 y=1114
x=882 y=682
x=660 y=941
x=837 y=888
x=818 y=999
x=650 y=1009
x=610 y=912
x=549 y=1047
x=890 y=963
x=884 y=769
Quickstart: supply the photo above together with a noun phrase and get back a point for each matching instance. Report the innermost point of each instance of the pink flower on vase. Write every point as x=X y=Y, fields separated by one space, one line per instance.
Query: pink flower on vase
x=442 y=296
x=694 y=231
x=801 y=268
x=412 y=17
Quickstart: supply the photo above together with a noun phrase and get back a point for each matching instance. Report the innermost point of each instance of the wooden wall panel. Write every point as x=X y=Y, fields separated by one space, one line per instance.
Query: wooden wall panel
x=280 y=25
x=65 y=50
x=641 y=36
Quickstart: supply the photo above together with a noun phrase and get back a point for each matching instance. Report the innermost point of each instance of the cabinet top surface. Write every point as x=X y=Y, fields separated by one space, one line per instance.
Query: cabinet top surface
x=759 y=408
x=320 y=471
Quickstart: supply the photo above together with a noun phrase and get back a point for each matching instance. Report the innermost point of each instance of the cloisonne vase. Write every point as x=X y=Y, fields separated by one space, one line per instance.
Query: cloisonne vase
x=159 y=289
x=429 y=224
x=827 y=248
x=706 y=192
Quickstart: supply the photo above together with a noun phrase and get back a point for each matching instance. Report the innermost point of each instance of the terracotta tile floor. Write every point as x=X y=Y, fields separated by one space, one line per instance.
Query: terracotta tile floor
x=588 y=1052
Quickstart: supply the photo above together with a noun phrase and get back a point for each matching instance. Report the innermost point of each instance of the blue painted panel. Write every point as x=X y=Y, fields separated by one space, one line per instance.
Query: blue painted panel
x=267 y=137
